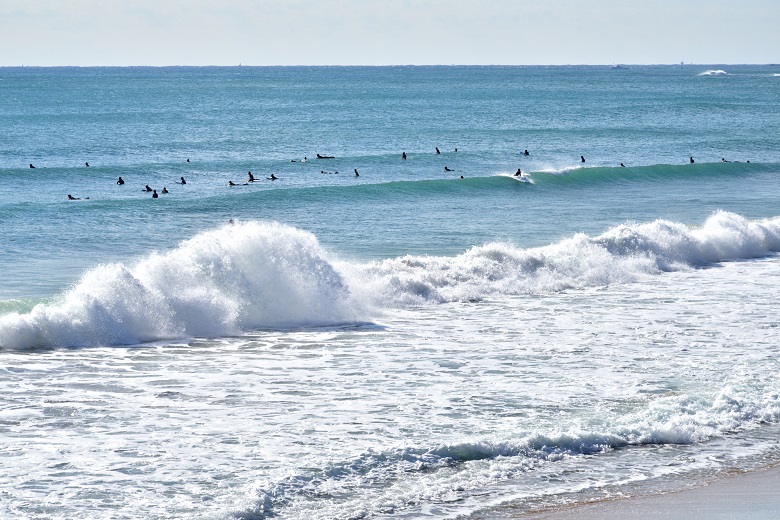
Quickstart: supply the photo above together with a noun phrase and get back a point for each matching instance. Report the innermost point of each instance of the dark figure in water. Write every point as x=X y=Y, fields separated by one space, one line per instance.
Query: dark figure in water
x=31 y=166
x=188 y=160
x=183 y=181
x=86 y=164
x=518 y=172
x=437 y=151
x=273 y=177
x=526 y=153
x=147 y=188
x=622 y=165
x=723 y=159
x=71 y=197
x=447 y=169
x=356 y=173
x=164 y=190
x=325 y=156
x=456 y=149
x=154 y=194
x=692 y=161
x=582 y=158
x=403 y=156
x=231 y=183
x=121 y=181
x=251 y=177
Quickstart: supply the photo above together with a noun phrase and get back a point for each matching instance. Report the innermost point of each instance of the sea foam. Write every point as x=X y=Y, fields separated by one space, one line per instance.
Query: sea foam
x=263 y=275
x=221 y=282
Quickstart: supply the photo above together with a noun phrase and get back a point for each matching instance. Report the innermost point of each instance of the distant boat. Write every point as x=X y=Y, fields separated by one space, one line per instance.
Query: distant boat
x=618 y=67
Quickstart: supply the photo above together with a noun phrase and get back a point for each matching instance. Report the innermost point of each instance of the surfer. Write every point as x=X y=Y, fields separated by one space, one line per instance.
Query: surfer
x=147 y=188
x=121 y=181
x=188 y=160
x=447 y=169
x=71 y=197
x=165 y=190
x=86 y=164
x=437 y=151
x=518 y=172
x=356 y=173
x=692 y=161
x=526 y=153
x=622 y=165
x=325 y=156
x=723 y=159
x=182 y=181
x=403 y=156
x=272 y=177
x=582 y=158
x=251 y=177
x=154 y=194
x=31 y=166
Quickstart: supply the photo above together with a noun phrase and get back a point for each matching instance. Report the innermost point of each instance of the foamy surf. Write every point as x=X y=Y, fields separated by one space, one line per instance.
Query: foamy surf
x=219 y=283
x=255 y=275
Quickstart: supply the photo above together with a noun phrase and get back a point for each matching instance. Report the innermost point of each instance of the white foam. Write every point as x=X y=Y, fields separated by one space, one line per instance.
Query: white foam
x=717 y=72
x=218 y=283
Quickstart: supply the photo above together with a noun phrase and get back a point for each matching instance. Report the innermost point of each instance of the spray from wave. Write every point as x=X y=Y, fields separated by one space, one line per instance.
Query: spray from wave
x=258 y=275
x=218 y=283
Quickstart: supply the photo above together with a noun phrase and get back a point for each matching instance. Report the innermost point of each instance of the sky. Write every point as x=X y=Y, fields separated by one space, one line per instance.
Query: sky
x=387 y=32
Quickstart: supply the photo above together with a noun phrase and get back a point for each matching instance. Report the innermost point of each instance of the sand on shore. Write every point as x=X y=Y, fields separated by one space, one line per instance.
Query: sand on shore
x=753 y=495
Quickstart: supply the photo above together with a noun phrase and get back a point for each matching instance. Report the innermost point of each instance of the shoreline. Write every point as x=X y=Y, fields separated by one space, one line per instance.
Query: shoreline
x=753 y=495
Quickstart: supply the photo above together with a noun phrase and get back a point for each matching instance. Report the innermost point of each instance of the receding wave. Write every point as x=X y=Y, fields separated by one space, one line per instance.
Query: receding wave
x=377 y=482
x=263 y=275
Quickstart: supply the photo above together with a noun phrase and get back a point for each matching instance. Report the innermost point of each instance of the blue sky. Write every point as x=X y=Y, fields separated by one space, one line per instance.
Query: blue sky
x=364 y=32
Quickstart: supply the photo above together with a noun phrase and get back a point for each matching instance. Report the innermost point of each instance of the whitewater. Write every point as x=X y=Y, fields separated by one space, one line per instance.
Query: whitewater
x=411 y=342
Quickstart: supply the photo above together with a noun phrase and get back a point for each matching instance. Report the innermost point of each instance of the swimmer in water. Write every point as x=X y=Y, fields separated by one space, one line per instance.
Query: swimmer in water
x=86 y=164
x=447 y=169
x=31 y=166
x=437 y=151
x=582 y=158
x=120 y=181
x=188 y=160
x=692 y=161
x=356 y=173
x=526 y=153
x=403 y=156
x=518 y=173
x=165 y=190
x=182 y=181
x=154 y=194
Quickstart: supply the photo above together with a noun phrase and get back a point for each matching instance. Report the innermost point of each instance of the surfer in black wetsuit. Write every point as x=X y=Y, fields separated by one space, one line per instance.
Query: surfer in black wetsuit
x=437 y=151
x=447 y=169
x=582 y=158
x=251 y=177
x=165 y=190
x=403 y=156
x=71 y=197
x=147 y=188
x=526 y=153
x=356 y=173
x=518 y=172
x=325 y=156
x=272 y=177
x=86 y=164
x=31 y=166
x=692 y=161
x=154 y=194
x=121 y=181
x=182 y=181
x=622 y=165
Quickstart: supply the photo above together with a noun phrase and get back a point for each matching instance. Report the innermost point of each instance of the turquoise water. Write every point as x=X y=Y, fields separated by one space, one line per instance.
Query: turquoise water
x=405 y=342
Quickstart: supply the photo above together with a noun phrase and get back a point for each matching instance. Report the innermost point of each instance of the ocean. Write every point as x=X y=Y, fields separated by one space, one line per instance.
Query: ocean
x=433 y=337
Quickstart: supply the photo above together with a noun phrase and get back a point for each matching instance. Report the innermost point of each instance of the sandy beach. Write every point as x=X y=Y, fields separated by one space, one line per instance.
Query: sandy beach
x=749 y=496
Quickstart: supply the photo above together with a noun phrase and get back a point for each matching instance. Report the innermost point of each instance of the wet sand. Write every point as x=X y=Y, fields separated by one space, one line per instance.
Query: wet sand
x=748 y=496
